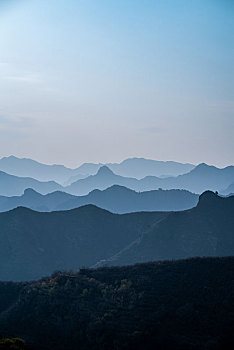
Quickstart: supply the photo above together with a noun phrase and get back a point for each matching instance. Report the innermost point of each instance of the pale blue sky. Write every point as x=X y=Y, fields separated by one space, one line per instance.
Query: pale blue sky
x=103 y=80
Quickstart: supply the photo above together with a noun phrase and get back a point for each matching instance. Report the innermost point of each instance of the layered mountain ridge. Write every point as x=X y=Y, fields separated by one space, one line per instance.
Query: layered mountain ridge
x=117 y=199
x=201 y=178
x=33 y=244
x=198 y=180
x=133 y=167
x=206 y=230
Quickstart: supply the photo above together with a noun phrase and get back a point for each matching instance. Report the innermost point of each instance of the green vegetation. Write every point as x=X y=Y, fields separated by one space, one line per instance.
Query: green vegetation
x=186 y=304
x=12 y=344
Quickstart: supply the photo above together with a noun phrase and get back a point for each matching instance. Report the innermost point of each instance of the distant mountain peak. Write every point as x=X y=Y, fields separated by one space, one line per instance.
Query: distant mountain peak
x=118 y=188
x=30 y=192
x=104 y=170
x=202 y=165
x=202 y=168
x=10 y=157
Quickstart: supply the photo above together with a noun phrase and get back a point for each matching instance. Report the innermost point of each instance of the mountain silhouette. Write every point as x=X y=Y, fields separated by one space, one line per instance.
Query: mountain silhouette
x=205 y=177
x=201 y=178
x=117 y=199
x=11 y=185
x=133 y=167
x=34 y=244
x=103 y=179
x=139 y=168
x=105 y=171
x=24 y=167
x=36 y=201
x=206 y=230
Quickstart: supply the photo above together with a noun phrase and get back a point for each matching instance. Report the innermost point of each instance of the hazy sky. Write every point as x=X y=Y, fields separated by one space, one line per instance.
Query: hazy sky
x=103 y=80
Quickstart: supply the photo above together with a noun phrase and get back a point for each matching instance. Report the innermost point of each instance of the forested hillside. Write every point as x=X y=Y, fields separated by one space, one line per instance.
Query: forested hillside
x=182 y=305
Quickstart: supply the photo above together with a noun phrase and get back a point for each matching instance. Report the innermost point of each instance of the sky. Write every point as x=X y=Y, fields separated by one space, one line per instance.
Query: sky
x=104 y=80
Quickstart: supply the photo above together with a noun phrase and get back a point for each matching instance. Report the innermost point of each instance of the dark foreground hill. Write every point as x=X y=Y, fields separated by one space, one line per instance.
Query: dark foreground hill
x=117 y=199
x=206 y=230
x=34 y=244
x=182 y=305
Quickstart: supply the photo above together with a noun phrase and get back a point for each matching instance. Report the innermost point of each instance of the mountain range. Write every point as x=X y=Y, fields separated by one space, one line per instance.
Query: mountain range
x=11 y=185
x=33 y=244
x=140 y=167
x=25 y=167
x=203 y=177
x=133 y=167
x=206 y=230
x=117 y=199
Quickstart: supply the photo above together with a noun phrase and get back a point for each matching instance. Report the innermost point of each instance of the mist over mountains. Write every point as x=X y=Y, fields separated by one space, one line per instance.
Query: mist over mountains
x=101 y=248
x=11 y=185
x=140 y=167
x=132 y=167
x=105 y=225
x=25 y=167
x=201 y=178
x=116 y=199
x=39 y=243
x=34 y=244
x=206 y=230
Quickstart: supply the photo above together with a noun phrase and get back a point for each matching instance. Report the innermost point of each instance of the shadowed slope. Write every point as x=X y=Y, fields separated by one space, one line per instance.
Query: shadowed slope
x=206 y=230
x=34 y=244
